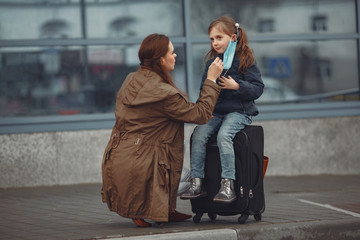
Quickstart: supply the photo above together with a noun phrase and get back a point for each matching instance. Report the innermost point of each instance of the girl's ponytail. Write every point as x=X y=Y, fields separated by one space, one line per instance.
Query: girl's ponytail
x=244 y=51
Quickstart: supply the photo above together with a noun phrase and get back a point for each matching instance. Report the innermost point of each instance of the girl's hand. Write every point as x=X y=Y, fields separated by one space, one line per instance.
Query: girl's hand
x=215 y=69
x=228 y=83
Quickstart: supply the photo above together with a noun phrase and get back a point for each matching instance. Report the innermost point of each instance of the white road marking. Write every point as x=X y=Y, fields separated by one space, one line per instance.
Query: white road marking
x=331 y=207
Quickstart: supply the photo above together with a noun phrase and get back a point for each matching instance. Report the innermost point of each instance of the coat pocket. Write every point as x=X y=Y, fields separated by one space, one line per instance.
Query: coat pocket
x=113 y=143
x=163 y=176
x=163 y=167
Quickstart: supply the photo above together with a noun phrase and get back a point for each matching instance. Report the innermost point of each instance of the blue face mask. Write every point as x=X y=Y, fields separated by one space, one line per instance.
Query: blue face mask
x=229 y=54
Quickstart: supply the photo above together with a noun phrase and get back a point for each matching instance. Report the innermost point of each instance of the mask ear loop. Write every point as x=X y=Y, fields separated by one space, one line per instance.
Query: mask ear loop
x=225 y=73
x=237 y=26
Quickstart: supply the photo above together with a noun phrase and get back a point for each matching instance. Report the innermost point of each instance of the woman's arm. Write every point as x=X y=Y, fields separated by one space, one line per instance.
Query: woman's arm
x=178 y=107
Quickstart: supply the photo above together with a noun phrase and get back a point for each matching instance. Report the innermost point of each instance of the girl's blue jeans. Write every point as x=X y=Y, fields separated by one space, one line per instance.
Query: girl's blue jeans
x=228 y=125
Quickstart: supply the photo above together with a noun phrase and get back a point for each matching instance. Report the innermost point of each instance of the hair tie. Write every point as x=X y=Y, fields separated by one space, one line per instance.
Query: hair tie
x=237 y=29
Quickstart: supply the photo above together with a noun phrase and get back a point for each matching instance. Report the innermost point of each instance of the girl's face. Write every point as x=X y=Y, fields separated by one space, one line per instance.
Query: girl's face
x=220 y=40
x=168 y=61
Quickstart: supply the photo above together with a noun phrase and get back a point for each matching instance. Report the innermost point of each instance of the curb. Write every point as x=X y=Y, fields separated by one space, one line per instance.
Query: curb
x=217 y=234
x=319 y=230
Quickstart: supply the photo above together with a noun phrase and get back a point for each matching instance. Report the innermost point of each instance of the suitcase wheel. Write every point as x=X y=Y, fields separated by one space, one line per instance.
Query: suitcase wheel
x=212 y=216
x=242 y=219
x=257 y=217
x=197 y=217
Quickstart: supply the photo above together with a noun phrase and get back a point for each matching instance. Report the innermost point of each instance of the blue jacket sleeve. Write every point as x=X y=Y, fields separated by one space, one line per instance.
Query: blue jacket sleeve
x=251 y=86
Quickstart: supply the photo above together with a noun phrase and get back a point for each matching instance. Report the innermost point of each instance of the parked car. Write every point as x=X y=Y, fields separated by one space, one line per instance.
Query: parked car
x=275 y=91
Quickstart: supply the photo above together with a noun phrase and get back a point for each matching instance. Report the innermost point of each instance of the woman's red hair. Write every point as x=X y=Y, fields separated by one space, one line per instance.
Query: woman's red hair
x=151 y=50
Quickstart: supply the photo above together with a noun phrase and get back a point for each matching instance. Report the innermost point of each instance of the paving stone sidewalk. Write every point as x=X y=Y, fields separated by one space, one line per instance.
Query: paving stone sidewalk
x=304 y=207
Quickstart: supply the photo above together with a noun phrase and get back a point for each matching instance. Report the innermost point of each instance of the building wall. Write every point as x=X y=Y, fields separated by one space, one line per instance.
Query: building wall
x=295 y=147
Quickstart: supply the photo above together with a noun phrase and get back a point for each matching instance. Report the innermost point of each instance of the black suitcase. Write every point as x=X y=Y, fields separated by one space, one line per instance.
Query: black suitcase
x=249 y=151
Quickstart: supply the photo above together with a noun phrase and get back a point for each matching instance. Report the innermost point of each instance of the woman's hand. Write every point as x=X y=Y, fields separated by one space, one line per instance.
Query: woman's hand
x=228 y=83
x=215 y=69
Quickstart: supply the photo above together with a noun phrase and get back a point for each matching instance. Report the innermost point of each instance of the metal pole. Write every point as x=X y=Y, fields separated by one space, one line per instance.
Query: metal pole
x=357 y=3
x=188 y=45
x=87 y=87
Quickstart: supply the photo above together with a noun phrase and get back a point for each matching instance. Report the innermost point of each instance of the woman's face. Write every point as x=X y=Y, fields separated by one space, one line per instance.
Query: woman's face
x=168 y=61
x=219 y=40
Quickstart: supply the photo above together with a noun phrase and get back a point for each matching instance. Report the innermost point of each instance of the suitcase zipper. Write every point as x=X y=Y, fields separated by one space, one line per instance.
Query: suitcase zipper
x=241 y=191
x=251 y=195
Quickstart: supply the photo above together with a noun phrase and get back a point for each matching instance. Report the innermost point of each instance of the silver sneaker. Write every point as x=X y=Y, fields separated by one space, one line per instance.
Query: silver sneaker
x=226 y=193
x=195 y=190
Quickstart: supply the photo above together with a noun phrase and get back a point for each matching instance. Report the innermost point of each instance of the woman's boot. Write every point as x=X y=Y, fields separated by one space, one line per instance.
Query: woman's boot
x=139 y=222
x=176 y=216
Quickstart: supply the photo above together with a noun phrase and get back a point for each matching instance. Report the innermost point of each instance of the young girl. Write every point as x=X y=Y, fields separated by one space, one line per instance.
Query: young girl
x=241 y=84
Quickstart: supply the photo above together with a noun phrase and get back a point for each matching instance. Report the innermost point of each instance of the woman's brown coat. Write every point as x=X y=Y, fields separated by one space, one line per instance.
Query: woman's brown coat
x=142 y=163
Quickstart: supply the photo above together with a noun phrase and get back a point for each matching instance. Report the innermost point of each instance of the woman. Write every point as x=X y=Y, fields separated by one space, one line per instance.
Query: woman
x=142 y=163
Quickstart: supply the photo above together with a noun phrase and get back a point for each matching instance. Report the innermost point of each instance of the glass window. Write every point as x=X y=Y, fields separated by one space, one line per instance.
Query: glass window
x=266 y=25
x=136 y=18
x=179 y=73
x=319 y=23
x=58 y=80
x=302 y=69
x=20 y=19
x=109 y=66
x=41 y=81
x=278 y=16
x=84 y=78
x=298 y=70
x=198 y=54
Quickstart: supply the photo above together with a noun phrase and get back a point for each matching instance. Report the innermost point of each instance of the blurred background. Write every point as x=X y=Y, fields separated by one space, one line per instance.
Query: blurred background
x=66 y=57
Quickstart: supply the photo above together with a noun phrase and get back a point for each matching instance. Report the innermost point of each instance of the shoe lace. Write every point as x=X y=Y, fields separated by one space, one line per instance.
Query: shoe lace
x=193 y=184
x=227 y=187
